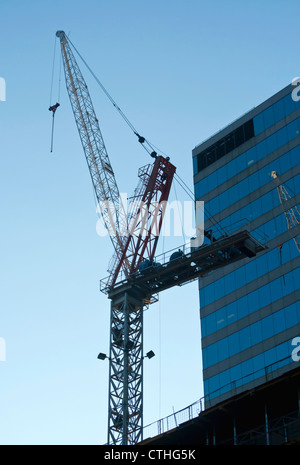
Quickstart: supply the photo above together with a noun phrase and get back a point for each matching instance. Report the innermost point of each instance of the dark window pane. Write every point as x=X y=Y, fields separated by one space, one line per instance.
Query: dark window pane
x=225 y=145
x=211 y=156
x=249 y=129
x=239 y=136
x=220 y=150
x=229 y=143
x=201 y=161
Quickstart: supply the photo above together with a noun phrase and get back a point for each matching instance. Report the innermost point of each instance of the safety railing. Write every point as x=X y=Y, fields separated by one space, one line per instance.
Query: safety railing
x=193 y=410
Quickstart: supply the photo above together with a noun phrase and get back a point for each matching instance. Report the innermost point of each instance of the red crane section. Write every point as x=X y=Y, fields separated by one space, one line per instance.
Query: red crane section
x=145 y=217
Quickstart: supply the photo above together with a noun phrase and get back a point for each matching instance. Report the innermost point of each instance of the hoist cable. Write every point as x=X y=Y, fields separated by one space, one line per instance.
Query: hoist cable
x=141 y=139
x=52 y=74
x=192 y=196
x=185 y=187
x=53 y=108
x=187 y=190
x=59 y=78
x=52 y=132
x=180 y=216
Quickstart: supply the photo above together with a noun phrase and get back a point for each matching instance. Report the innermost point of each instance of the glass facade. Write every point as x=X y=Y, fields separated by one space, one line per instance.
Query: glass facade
x=254 y=181
x=250 y=310
x=248 y=158
x=255 y=126
x=253 y=300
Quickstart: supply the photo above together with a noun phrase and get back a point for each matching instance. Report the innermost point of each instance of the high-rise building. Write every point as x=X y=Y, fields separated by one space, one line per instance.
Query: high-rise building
x=248 y=176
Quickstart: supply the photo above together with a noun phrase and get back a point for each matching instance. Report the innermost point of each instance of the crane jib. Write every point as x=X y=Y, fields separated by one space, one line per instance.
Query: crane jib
x=98 y=162
x=129 y=250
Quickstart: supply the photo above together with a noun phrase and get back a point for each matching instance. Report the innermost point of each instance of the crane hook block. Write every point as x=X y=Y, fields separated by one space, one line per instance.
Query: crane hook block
x=53 y=108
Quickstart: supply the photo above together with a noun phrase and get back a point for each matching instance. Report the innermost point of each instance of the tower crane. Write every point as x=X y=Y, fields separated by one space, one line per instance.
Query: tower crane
x=135 y=278
x=134 y=239
x=292 y=214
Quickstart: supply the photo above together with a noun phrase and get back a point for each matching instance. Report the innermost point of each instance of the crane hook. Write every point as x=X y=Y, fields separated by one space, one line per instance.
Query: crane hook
x=53 y=108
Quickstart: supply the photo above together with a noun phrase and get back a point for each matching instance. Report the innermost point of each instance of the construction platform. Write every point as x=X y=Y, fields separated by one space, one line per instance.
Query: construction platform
x=184 y=265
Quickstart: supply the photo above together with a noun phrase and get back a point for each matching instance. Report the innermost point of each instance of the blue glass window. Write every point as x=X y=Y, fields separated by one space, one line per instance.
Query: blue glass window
x=195 y=167
x=247 y=158
x=258 y=207
x=253 y=182
x=252 y=302
x=274 y=113
x=248 y=370
x=262 y=121
x=250 y=335
x=244 y=275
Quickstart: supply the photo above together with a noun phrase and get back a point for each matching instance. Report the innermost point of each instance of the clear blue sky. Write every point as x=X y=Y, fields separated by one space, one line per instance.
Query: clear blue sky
x=180 y=70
